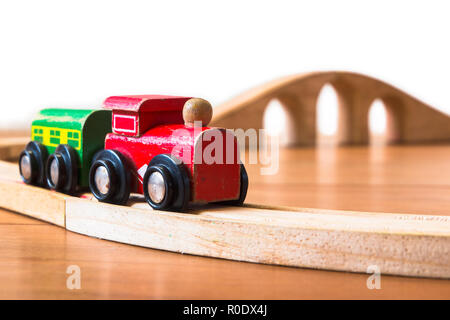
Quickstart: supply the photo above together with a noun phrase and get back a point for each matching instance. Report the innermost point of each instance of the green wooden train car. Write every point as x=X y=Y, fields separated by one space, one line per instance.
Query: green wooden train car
x=64 y=141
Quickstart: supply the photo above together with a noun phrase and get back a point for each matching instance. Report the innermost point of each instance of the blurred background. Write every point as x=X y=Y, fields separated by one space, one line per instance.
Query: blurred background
x=75 y=54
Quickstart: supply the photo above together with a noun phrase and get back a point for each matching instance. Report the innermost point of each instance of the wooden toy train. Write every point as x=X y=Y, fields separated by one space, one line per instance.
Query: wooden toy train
x=158 y=146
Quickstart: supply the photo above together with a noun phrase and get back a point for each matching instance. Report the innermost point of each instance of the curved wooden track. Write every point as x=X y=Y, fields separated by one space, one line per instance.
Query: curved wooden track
x=408 y=119
x=413 y=239
x=399 y=244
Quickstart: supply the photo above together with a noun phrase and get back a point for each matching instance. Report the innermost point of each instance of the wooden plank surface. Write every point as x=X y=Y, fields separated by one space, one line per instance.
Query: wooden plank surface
x=323 y=239
x=34 y=202
x=398 y=179
x=24 y=241
x=34 y=257
x=320 y=239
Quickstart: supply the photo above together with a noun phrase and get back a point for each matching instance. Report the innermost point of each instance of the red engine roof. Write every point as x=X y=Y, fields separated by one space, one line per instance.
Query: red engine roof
x=145 y=103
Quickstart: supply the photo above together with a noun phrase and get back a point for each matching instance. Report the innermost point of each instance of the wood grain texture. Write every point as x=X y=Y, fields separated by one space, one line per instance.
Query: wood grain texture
x=412 y=179
x=34 y=258
x=34 y=255
x=320 y=239
x=313 y=238
x=35 y=202
x=408 y=119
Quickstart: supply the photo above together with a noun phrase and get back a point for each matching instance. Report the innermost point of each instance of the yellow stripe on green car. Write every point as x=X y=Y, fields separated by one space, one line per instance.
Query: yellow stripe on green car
x=53 y=137
x=84 y=130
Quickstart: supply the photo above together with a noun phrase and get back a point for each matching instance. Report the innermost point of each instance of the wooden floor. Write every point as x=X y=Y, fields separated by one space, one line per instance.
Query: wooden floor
x=394 y=179
x=34 y=255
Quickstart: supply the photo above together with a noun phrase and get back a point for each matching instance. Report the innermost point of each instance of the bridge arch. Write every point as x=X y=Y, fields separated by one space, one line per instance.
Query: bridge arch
x=409 y=120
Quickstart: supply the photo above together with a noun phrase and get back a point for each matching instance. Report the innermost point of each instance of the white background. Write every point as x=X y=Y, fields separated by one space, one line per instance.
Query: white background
x=74 y=54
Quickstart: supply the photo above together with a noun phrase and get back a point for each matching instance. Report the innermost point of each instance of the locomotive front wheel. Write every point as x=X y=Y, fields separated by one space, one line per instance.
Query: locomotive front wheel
x=62 y=169
x=166 y=184
x=159 y=187
x=32 y=164
x=109 y=177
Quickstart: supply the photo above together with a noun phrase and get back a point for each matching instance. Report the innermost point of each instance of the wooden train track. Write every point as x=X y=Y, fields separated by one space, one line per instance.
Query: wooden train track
x=399 y=244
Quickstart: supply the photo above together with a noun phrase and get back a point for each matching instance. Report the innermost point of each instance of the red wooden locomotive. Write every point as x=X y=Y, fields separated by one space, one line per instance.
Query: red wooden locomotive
x=155 y=151
x=160 y=146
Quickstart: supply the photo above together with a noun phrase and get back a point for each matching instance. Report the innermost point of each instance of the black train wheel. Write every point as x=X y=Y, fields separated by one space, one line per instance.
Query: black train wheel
x=166 y=184
x=110 y=177
x=32 y=164
x=62 y=169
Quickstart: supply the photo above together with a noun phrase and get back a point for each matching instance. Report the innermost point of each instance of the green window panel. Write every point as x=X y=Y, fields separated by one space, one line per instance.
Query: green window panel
x=75 y=135
x=54 y=140
x=73 y=143
x=69 y=134
x=38 y=139
x=41 y=131
x=55 y=133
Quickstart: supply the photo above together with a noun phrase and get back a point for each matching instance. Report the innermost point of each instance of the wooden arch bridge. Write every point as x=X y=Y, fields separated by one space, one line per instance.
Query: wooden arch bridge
x=408 y=119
